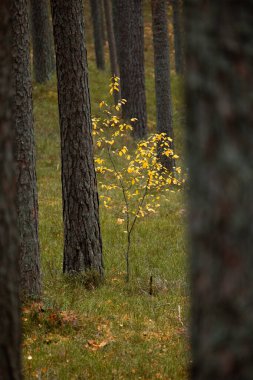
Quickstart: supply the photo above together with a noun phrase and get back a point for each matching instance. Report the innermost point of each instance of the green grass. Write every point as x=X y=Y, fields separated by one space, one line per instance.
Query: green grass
x=118 y=330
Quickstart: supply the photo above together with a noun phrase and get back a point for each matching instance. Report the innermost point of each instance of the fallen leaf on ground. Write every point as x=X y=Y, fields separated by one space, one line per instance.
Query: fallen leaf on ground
x=94 y=345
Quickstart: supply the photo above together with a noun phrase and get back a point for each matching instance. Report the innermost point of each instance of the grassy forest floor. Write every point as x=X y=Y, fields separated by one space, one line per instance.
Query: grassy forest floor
x=117 y=331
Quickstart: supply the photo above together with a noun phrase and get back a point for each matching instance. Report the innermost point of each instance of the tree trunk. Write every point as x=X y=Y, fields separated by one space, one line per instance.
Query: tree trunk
x=103 y=27
x=27 y=200
x=115 y=17
x=220 y=154
x=43 y=51
x=178 y=43
x=82 y=238
x=112 y=44
x=130 y=50
x=97 y=21
x=10 y=337
x=162 y=75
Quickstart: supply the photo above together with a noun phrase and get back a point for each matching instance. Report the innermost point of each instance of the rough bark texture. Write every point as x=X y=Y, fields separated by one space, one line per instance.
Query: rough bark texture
x=162 y=74
x=220 y=150
x=82 y=238
x=112 y=44
x=43 y=50
x=27 y=200
x=97 y=21
x=178 y=42
x=130 y=49
x=10 y=337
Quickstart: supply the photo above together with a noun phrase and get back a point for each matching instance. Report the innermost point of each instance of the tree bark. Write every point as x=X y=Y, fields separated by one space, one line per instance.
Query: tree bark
x=27 y=199
x=97 y=21
x=10 y=337
x=162 y=75
x=103 y=27
x=220 y=155
x=115 y=17
x=178 y=43
x=82 y=237
x=130 y=51
x=112 y=44
x=43 y=50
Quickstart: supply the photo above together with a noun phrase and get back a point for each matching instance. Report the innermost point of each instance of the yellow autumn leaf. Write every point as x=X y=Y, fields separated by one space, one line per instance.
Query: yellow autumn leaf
x=130 y=170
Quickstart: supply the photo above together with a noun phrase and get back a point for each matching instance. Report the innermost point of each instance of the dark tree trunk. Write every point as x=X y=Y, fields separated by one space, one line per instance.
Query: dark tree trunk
x=82 y=238
x=103 y=22
x=115 y=17
x=162 y=75
x=97 y=21
x=220 y=150
x=112 y=44
x=43 y=51
x=130 y=50
x=178 y=41
x=10 y=337
x=27 y=200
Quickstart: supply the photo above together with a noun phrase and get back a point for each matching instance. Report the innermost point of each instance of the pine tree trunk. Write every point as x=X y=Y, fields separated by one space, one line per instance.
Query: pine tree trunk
x=10 y=337
x=178 y=43
x=130 y=51
x=27 y=200
x=162 y=75
x=43 y=50
x=112 y=44
x=220 y=154
x=103 y=22
x=97 y=21
x=115 y=18
x=82 y=237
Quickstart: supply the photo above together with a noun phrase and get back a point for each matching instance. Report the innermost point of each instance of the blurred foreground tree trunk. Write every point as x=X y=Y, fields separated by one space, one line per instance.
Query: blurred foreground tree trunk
x=178 y=37
x=97 y=21
x=220 y=154
x=130 y=50
x=10 y=337
x=43 y=50
x=82 y=237
x=27 y=199
x=162 y=75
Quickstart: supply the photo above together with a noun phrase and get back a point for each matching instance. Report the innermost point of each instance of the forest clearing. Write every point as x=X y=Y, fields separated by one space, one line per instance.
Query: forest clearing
x=118 y=330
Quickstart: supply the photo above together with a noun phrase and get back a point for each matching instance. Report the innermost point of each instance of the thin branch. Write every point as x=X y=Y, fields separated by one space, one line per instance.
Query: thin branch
x=121 y=184
x=127 y=213
x=140 y=205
